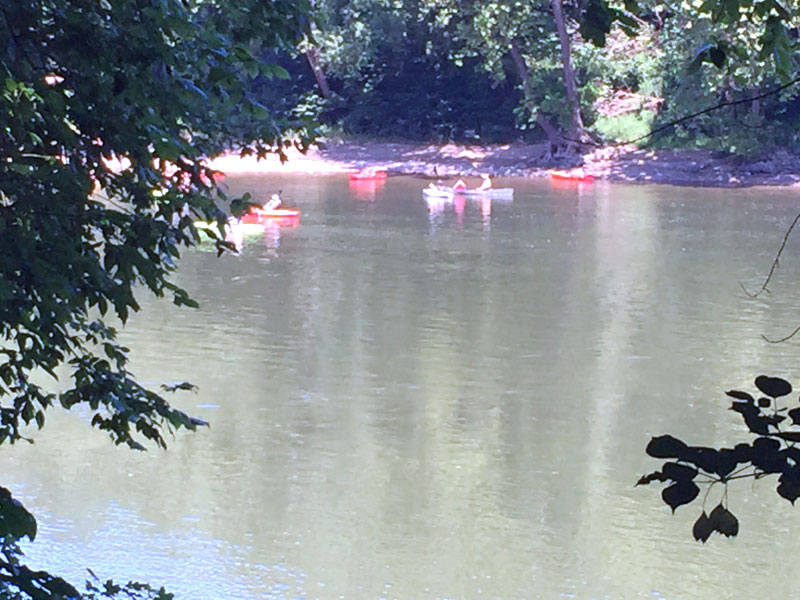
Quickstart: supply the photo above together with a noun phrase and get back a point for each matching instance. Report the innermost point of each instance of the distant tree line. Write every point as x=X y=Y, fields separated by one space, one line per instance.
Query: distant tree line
x=585 y=71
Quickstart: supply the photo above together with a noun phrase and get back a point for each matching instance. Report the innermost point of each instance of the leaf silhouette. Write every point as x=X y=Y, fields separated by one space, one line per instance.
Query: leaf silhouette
x=757 y=424
x=702 y=529
x=666 y=446
x=705 y=458
x=654 y=476
x=745 y=408
x=767 y=455
x=774 y=450
x=727 y=462
x=775 y=420
x=15 y=520
x=740 y=395
x=789 y=485
x=793 y=454
x=743 y=453
x=724 y=521
x=680 y=493
x=773 y=386
x=677 y=471
x=766 y=444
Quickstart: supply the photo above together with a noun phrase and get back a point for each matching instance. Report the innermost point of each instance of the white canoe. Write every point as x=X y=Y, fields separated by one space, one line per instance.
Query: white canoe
x=444 y=194
x=448 y=194
x=498 y=193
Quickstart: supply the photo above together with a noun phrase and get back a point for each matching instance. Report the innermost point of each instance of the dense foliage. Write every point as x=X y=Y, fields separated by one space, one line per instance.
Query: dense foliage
x=107 y=111
x=492 y=71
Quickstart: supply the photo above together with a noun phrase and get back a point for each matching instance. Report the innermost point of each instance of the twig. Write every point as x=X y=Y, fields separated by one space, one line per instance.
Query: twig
x=708 y=110
x=692 y=116
x=774 y=263
x=783 y=339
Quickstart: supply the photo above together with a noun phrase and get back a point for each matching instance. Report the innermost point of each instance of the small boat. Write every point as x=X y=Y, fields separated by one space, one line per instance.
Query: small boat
x=579 y=175
x=437 y=192
x=497 y=193
x=448 y=193
x=262 y=215
x=367 y=173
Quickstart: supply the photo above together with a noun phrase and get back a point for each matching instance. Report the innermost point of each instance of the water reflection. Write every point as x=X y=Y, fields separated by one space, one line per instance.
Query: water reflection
x=266 y=232
x=440 y=208
x=234 y=234
x=366 y=190
x=407 y=403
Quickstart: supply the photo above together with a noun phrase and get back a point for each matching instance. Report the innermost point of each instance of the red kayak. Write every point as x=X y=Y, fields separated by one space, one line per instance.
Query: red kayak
x=261 y=215
x=572 y=175
x=217 y=176
x=367 y=174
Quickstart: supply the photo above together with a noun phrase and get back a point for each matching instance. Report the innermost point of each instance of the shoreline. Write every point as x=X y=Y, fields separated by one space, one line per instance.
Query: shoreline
x=698 y=168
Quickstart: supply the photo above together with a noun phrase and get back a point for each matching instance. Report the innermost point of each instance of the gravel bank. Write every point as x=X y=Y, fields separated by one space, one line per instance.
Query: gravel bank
x=632 y=165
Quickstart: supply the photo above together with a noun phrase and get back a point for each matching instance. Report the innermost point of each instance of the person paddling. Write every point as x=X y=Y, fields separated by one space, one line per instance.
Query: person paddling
x=274 y=202
x=486 y=184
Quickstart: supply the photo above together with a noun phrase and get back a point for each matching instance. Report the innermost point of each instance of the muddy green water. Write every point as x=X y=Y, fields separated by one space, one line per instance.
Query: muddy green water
x=425 y=402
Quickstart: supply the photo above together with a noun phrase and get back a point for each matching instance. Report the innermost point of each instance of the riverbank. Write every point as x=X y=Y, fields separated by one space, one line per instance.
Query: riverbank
x=688 y=167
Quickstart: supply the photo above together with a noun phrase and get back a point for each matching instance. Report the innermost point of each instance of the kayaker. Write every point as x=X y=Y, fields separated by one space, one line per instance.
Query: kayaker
x=273 y=202
x=486 y=184
x=459 y=186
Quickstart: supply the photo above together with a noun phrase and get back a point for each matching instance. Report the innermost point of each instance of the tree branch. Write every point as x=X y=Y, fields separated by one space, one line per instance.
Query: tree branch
x=774 y=262
x=708 y=110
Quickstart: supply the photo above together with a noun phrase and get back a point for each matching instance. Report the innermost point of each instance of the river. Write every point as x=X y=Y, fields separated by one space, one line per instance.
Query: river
x=412 y=401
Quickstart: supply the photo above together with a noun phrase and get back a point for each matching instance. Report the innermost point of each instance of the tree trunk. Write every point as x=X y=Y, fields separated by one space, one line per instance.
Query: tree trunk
x=319 y=74
x=576 y=127
x=522 y=71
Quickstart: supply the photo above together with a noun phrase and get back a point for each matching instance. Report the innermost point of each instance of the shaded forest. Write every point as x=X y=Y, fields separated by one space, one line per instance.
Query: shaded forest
x=570 y=72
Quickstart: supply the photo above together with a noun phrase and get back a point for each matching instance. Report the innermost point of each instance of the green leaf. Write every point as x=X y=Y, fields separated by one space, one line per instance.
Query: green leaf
x=20 y=168
x=717 y=56
x=596 y=22
x=277 y=71
x=258 y=110
x=180 y=385
x=15 y=521
x=252 y=68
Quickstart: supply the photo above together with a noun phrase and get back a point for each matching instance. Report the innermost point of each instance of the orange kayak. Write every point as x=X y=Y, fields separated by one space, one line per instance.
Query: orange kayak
x=571 y=175
x=260 y=215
